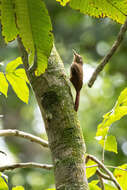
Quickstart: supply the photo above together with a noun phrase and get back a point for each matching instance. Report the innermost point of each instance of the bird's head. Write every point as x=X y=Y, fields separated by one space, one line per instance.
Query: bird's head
x=77 y=57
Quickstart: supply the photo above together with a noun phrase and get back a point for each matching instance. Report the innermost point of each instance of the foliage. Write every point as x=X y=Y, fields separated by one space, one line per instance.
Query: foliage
x=119 y=110
x=91 y=170
x=4 y=84
x=29 y=20
x=3 y=182
x=10 y=30
x=17 y=78
x=93 y=185
x=121 y=175
x=29 y=17
x=18 y=188
x=63 y=2
x=115 y=10
x=109 y=143
x=110 y=187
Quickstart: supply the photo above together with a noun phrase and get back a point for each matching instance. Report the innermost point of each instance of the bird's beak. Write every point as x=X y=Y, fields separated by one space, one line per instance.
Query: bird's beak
x=74 y=52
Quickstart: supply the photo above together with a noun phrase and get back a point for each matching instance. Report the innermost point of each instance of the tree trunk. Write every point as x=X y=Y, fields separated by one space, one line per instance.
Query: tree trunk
x=65 y=137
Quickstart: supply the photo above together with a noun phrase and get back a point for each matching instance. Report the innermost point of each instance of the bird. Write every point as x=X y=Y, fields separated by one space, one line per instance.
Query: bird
x=76 y=76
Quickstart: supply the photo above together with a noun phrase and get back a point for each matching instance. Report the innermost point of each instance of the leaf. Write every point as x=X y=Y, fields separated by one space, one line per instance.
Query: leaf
x=19 y=86
x=109 y=187
x=11 y=66
x=93 y=186
x=3 y=182
x=109 y=144
x=122 y=98
x=35 y=30
x=3 y=84
x=9 y=29
x=119 y=111
x=116 y=10
x=121 y=176
x=17 y=78
x=94 y=182
x=102 y=131
x=90 y=171
x=63 y=2
x=22 y=74
x=18 y=188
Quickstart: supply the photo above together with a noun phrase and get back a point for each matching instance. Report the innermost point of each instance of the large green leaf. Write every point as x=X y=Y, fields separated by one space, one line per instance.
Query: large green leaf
x=17 y=78
x=114 y=9
x=9 y=29
x=109 y=143
x=19 y=86
x=3 y=84
x=35 y=30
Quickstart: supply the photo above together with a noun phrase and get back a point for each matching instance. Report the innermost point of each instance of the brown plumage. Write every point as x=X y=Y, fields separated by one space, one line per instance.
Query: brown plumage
x=76 y=76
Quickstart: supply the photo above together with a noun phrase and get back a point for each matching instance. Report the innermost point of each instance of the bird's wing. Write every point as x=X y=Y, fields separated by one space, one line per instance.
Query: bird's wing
x=74 y=70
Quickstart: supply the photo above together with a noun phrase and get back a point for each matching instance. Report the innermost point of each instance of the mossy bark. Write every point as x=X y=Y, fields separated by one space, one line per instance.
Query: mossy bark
x=65 y=138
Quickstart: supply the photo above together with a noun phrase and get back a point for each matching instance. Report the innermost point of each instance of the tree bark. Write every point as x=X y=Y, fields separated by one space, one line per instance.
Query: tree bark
x=65 y=137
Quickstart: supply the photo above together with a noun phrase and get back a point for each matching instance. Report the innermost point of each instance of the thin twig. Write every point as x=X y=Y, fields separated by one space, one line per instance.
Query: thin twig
x=17 y=133
x=101 y=165
x=107 y=166
x=114 y=167
x=103 y=150
x=92 y=166
x=105 y=60
x=101 y=180
x=25 y=165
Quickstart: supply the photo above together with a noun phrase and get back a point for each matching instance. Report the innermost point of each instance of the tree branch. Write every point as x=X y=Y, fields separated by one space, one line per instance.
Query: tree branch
x=17 y=133
x=101 y=165
x=105 y=60
x=100 y=177
x=26 y=165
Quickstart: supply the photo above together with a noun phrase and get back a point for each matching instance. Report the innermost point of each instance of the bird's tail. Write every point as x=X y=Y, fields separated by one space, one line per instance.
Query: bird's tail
x=77 y=100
